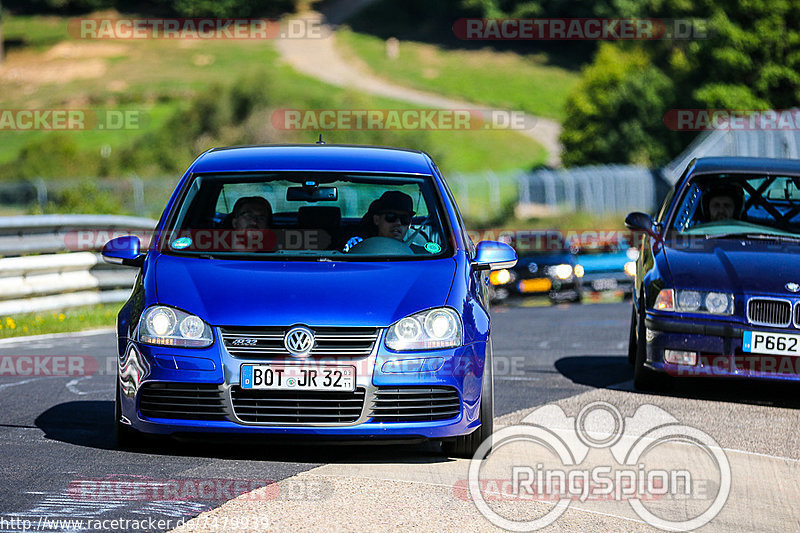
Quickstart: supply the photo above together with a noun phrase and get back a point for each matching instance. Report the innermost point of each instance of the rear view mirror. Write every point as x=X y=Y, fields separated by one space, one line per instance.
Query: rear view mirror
x=312 y=194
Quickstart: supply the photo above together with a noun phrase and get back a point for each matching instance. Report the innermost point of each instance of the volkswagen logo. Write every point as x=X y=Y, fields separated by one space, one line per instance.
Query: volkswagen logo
x=533 y=268
x=299 y=341
x=792 y=287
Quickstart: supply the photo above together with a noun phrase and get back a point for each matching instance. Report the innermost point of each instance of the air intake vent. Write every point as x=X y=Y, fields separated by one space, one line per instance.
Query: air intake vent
x=769 y=312
x=183 y=401
x=415 y=404
x=297 y=407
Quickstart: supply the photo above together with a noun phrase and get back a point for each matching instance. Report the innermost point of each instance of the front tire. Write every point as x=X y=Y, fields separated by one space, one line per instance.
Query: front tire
x=465 y=446
x=645 y=379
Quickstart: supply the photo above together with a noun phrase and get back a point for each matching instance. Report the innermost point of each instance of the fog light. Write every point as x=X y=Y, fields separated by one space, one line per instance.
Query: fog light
x=677 y=357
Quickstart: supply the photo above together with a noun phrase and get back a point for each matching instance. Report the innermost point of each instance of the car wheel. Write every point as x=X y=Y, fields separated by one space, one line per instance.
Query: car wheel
x=645 y=379
x=465 y=446
x=126 y=436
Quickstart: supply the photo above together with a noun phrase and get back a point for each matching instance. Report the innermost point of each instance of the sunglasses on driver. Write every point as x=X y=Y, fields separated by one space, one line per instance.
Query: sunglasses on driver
x=404 y=219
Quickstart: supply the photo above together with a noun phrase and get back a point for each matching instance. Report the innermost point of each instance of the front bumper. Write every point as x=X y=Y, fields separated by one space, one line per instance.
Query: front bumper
x=217 y=372
x=719 y=348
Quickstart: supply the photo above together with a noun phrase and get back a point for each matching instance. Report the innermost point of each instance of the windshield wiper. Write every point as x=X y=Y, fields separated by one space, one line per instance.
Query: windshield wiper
x=759 y=236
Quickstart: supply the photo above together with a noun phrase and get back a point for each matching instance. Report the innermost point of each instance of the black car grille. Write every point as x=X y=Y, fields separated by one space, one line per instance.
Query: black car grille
x=297 y=407
x=355 y=342
x=415 y=404
x=184 y=401
x=769 y=312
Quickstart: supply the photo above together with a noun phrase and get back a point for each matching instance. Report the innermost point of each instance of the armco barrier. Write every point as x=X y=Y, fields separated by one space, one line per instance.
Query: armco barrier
x=52 y=261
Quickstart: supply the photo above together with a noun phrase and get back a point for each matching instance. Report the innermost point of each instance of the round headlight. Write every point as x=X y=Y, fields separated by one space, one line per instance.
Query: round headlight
x=688 y=300
x=408 y=329
x=161 y=322
x=563 y=271
x=717 y=302
x=579 y=271
x=192 y=327
x=503 y=276
x=439 y=324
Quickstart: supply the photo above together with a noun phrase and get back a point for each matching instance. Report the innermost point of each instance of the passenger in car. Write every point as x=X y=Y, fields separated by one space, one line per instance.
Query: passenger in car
x=251 y=212
x=389 y=216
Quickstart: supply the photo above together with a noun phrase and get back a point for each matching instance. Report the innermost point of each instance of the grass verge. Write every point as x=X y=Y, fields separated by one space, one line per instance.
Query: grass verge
x=506 y=80
x=76 y=319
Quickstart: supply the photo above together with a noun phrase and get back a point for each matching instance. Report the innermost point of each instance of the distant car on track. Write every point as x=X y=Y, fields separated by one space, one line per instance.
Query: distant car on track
x=547 y=266
x=717 y=290
x=275 y=329
x=608 y=265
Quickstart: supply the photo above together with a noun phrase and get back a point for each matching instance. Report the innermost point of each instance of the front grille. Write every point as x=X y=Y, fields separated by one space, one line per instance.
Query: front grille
x=769 y=312
x=184 y=401
x=797 y=315
x=297 y=407
x=353 y=342
x=415 y=404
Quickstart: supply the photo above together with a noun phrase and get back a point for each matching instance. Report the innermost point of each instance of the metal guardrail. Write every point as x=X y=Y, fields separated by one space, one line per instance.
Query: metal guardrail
x=605 y=189
x=50 y=262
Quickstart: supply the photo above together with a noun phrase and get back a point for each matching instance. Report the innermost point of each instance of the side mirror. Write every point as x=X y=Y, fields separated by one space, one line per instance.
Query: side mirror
x=491 y=255
x=123 y=251
x=637 y=221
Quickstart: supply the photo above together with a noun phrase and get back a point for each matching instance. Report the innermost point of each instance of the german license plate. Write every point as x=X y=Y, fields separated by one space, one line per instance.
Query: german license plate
x=771 y=343
x=288 y=377
x=604 y=285
x=535 y=285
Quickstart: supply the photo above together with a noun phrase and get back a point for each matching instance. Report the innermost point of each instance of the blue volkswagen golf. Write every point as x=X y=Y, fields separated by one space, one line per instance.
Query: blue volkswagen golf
x=318 y=290
x=717 y=290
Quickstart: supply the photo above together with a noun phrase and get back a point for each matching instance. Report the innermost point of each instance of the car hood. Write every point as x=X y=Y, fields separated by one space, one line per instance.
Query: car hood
x=744 y=266
x=253 y=293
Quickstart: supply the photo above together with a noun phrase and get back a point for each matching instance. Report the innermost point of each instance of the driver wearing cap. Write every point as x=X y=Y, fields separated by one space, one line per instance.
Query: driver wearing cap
x=389 y=216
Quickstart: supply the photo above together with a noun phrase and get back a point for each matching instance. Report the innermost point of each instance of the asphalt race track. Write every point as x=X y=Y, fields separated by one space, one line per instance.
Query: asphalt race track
x=60 y=463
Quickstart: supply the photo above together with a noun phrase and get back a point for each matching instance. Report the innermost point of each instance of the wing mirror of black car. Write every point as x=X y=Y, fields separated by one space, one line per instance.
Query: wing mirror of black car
x=312 y=194
x=124 y=251
x=492 y=255
x=637 y=221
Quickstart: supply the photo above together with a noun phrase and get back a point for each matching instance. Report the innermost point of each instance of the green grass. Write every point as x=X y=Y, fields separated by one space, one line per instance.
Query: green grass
x=34 y=31
x=77 y=319
x=130 y=81
x=506 y=80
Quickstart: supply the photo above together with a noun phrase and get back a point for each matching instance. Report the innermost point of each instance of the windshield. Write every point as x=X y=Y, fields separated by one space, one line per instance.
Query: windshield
x=723 y=205
x=320 y=216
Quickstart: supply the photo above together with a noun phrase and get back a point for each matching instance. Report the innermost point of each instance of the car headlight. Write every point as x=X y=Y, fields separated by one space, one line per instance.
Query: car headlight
x=579 y=271
x=630 y=268
x=431 y=329
x=561 y=271
x=715 y=303
x=501 y=277
x=167 y=326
